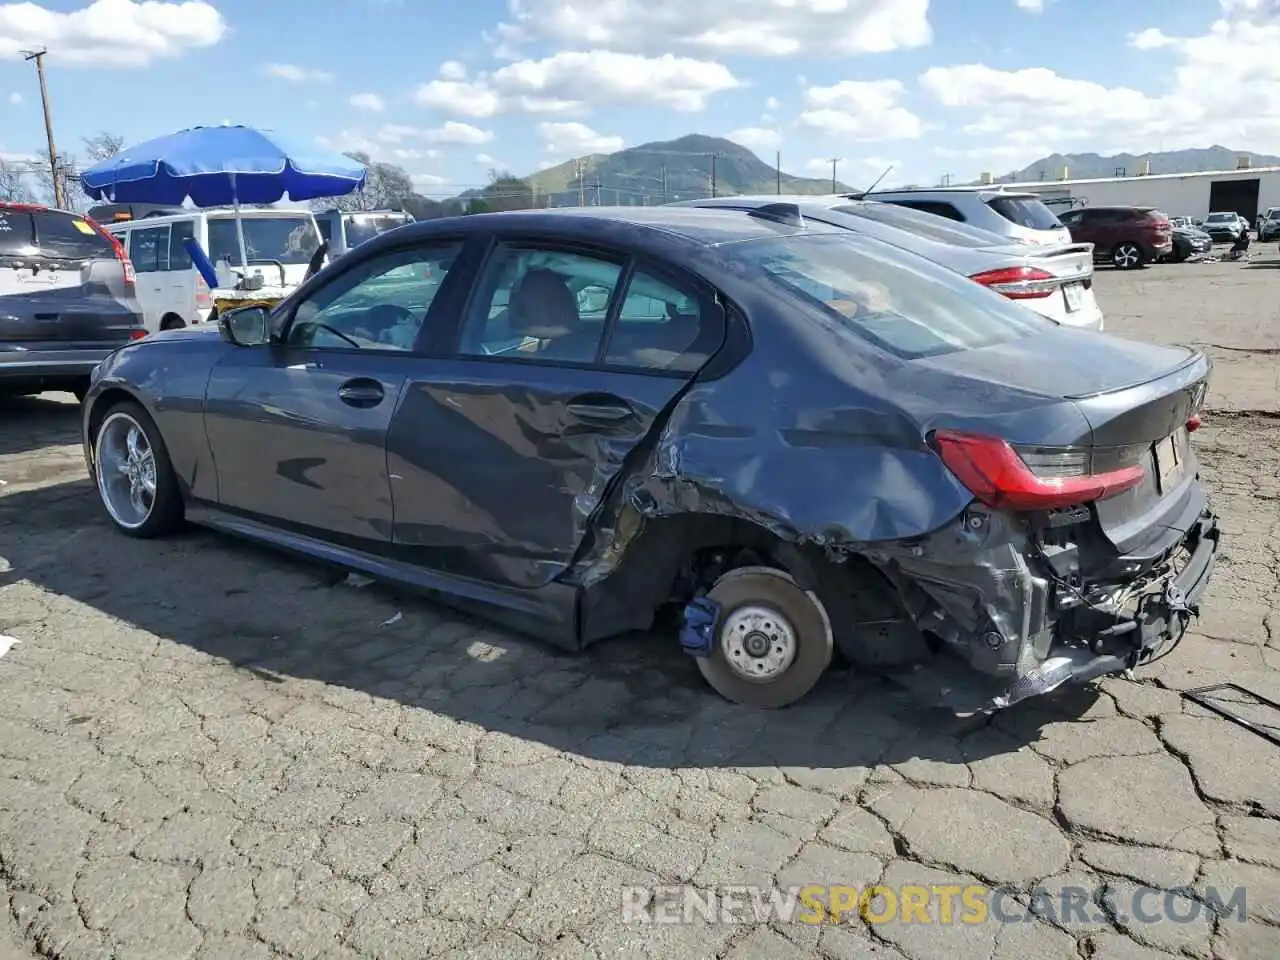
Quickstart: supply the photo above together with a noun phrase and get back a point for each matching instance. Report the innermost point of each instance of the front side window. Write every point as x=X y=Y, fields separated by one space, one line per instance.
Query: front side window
x=286 y=240
x=540 y=304
x=380 y=305
x=179 y=258
x=904 y=304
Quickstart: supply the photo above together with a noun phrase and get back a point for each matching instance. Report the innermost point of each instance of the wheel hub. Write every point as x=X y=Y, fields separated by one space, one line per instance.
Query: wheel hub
x=759 y=643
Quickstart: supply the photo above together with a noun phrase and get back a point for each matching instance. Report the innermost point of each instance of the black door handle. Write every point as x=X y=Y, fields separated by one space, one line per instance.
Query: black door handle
x=361 y=392
x=603 y=407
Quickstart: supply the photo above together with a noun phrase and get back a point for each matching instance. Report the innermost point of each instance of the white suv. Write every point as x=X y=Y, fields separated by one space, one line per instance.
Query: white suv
x=1020 y=216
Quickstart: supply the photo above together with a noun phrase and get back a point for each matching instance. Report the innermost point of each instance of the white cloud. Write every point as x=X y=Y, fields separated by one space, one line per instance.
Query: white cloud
x=757 y=138
x=772 y=103
x=1032 y=6
x=427 y=179
x=1224 y=89
x=576 y=139
x=110 y=33
x=15 y=99
x=577 y=81
x=454 y=132
x=367 y=101
x=485 y=160
x=863 y=110
x=807 y=28
x=452 y=70
x=413 y=153
x=295 y=74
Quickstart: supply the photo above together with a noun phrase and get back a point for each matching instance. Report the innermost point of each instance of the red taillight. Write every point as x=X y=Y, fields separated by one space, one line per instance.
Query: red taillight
x=1193 y=424
x=137 y=334
x=1019 y=283
x=25 y=207
x=996 y=475
x=130 y=278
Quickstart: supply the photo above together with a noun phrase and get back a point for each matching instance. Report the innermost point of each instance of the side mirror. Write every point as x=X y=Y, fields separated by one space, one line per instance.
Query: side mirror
x=246 y=327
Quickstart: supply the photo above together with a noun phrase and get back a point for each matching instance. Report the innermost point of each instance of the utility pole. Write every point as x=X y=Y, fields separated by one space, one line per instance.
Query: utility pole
x=664 y=183
x=777 y=169
x=713 y=173
x=59 y=198
x=834 y=162
x=580 y=168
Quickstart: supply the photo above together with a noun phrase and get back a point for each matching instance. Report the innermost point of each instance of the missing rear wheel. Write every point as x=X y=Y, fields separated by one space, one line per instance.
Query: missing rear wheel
x=773 y=640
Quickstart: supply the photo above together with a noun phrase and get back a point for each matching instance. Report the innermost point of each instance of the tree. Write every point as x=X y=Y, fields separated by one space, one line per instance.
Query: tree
x=386 y=187
x=507 y=192
x=100 y=146
x=13 y=183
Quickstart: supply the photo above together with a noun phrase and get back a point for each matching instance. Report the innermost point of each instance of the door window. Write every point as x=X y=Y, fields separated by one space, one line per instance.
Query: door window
x=380 y=305
x=149 y=249
x=541 y=305
x=179 y=259
x=662 y=327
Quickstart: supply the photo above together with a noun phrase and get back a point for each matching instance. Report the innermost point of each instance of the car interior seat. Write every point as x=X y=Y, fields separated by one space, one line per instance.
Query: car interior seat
x=543 y=306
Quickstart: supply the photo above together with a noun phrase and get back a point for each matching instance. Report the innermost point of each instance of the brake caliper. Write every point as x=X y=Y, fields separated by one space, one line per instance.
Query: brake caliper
x=701 y=614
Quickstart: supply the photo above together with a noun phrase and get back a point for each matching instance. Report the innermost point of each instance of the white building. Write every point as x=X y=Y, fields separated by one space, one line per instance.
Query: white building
x=1244 y=190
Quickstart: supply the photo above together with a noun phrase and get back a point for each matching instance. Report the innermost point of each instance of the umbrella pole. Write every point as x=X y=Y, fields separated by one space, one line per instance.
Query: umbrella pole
x=235 y=203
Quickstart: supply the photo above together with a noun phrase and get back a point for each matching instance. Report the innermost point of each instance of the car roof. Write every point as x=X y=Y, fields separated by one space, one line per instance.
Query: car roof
x=699 y=225
x=993 y=189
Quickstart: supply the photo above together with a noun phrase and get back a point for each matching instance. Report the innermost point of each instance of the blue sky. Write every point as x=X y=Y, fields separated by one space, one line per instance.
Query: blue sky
x=449 y=91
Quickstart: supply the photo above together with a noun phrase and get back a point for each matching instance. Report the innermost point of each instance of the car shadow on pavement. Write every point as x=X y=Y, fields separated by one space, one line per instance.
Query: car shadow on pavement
x=33 y=423
x=245 y=619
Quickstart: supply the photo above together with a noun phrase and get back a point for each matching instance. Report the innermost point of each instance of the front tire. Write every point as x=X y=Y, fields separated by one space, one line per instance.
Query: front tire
x=132 y=472
x=773 y=640
x=1127 y=256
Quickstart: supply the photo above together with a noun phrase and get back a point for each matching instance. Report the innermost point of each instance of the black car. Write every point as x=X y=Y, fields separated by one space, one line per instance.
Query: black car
x=1187 y=242
x=67 y=299
x=802 y=437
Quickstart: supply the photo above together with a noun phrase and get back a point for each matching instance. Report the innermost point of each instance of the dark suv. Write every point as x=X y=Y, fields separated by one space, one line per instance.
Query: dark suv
x=67 y=299
x=1127 y=237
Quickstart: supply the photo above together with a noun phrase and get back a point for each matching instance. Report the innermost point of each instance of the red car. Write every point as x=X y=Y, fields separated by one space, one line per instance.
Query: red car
x=1127 y=237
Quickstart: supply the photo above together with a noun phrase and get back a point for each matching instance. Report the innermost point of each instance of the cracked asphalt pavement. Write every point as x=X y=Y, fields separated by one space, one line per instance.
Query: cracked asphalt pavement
x=210 y=751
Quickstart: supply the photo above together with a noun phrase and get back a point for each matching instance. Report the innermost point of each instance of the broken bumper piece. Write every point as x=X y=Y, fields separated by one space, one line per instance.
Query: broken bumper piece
x=1153 y=628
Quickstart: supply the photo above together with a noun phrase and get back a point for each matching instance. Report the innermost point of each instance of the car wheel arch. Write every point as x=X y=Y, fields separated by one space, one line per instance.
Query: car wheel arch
x=103 y=403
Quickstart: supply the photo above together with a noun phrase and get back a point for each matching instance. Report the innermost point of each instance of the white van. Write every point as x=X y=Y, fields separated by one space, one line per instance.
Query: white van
x=345 y=230
x=170 y=288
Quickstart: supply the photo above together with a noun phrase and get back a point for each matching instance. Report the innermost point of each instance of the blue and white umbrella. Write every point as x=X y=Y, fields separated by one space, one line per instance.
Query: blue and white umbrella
x=221 y=166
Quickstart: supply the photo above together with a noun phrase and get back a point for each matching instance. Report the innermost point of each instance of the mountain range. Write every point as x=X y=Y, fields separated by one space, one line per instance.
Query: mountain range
x=1084 y=166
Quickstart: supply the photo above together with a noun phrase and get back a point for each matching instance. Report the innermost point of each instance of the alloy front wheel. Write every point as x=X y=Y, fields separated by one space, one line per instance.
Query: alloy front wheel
x=1127 y=256
x=135 y=480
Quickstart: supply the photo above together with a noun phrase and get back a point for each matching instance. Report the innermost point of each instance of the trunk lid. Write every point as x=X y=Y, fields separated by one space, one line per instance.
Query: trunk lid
x=1084 y=363
x=1133 y=396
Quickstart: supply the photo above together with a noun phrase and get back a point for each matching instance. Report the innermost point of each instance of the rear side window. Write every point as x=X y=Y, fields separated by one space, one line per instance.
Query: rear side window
x=661 y=327
x=936 y=207
x=1025 y=212
x=17 y=233
x=149 y=249
x=928 y=226
x=904 y=304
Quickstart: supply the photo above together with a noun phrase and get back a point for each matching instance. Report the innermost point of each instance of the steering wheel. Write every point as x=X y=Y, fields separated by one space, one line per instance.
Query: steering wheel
x=380 y=319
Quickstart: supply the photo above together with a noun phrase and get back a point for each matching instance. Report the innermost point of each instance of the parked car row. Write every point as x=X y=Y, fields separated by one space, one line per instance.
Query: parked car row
x=778 y=419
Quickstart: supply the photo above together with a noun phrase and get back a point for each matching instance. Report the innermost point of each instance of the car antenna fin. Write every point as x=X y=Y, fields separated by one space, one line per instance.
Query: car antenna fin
x=788 y=213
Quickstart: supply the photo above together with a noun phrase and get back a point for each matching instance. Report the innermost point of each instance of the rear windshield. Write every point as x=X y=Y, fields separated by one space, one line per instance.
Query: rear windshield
x=902 y=303
x=360 y=229
x=51 y=234
x=287 y=240
x=1025 y=212
x=926 y=225
x=1221 y=218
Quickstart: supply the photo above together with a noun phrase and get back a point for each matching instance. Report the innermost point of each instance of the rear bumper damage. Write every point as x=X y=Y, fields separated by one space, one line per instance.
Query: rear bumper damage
x=1009 y=627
